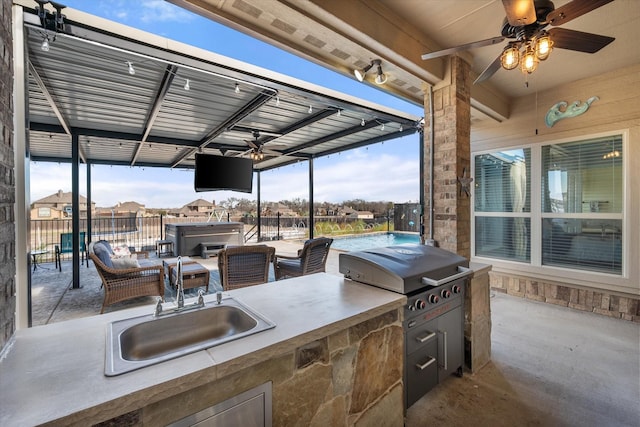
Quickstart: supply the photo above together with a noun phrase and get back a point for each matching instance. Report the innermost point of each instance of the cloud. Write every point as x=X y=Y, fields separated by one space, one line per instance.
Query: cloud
x=162 y=11
x=130 y=12
x=357 y=175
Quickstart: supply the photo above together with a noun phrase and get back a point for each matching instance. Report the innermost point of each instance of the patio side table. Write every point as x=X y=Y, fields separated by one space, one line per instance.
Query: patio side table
x=193 y=275
x=164 y=247
x=34 y=259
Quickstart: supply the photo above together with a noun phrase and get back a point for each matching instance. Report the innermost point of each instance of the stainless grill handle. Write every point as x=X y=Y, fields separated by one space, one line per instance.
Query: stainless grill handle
x=446 y=359
x=426 y=338
x=425 y=365
x=462 y=272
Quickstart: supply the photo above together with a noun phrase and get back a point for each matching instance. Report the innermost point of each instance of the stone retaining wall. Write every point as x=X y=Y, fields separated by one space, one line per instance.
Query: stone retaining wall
x=567 y=295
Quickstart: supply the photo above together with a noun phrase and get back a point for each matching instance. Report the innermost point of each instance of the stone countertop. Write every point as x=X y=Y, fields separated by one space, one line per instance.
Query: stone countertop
x=55 y=373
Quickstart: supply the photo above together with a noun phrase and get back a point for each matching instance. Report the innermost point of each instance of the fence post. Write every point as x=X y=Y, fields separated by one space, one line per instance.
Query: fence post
x=278 y=225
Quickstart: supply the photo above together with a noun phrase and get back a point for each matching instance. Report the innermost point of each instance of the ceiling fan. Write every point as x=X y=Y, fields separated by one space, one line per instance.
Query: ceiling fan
x=257 y=148
x=526 y=24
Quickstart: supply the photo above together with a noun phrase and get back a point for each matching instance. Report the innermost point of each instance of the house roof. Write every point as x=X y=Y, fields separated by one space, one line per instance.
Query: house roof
x=201 y=202
x=131 y=206
x=59 y=198
x=81 y=89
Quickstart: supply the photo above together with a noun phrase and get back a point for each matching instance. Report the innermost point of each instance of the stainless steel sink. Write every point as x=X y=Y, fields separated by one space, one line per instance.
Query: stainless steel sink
x=142 y=341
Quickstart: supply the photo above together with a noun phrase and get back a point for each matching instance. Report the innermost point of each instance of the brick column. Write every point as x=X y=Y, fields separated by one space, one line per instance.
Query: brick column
x=7 y=183
x=452 y=157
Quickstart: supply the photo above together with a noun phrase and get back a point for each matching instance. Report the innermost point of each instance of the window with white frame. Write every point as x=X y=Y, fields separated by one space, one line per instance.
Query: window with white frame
x=581 y=205
x=502 y=204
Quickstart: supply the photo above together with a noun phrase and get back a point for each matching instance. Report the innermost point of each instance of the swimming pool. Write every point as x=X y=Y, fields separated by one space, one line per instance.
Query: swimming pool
x=359 y=243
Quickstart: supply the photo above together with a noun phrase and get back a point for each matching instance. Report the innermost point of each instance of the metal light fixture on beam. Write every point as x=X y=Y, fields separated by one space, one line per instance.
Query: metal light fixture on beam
x=381 y=78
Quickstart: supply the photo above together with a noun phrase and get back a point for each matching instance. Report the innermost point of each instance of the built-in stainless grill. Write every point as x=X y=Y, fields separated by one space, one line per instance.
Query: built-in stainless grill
x=434 y=281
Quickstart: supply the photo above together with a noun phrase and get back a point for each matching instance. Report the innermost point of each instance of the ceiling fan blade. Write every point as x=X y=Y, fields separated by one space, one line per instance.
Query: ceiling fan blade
x=274 y=145
x=577 y=40
x=489 y=71
x=480 y=43
x=251 y=144
x=573 y=9
x=520 y=12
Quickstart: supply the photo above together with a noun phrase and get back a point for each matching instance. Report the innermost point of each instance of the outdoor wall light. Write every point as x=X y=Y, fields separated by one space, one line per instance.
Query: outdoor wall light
x=186 y=85
x=381 y=78
x=132 y=70
x=361 y=73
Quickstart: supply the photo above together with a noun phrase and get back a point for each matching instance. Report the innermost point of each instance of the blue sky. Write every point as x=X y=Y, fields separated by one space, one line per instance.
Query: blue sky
x=386 y=171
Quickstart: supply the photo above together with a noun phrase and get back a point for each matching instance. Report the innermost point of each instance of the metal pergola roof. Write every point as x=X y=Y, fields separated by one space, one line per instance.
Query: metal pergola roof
x=82 y=87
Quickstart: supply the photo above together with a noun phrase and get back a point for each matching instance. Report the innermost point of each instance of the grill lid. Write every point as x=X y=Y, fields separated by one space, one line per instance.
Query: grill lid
x=400 y=268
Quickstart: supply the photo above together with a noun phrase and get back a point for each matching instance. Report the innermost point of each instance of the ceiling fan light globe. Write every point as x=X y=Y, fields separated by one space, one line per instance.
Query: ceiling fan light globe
x=510 y=58
x=529 y=61
x=544 y=46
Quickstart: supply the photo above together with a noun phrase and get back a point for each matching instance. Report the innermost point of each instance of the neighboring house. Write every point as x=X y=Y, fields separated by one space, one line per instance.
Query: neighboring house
x=272 y=209
x=58 y=205
x=364 y=215
x=122 y=209
x=199 y=208
x=347 y=211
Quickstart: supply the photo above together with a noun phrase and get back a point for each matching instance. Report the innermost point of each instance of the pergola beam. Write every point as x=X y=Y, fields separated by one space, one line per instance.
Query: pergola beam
x=167 y=78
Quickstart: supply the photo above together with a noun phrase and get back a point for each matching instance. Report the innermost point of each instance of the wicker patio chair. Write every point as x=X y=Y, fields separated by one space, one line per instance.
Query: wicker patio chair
x=241 y=266
x=312 y=258
x=126 y=283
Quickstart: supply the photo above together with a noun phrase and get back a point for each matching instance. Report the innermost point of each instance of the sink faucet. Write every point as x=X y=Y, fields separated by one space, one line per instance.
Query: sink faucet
x=179 y=307
x=179 y=285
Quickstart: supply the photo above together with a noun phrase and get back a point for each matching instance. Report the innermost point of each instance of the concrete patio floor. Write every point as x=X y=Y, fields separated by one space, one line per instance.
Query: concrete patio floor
x=551 y=366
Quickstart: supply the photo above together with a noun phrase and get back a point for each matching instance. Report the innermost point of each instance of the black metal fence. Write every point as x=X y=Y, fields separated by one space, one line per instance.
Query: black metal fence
x=141 y=233
x=137 y=232
x=280 y=227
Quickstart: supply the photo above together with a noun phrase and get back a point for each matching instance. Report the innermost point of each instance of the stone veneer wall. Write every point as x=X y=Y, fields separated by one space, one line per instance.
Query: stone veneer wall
x=566 y=295
x=452 y=160
x=7 y=184
x=477 y=320
x=351 y=378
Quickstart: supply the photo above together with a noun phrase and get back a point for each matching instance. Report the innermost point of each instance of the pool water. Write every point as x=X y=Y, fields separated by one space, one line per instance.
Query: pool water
x=359 y=243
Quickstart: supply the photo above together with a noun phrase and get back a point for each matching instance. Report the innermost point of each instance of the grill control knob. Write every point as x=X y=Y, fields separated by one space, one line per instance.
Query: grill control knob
x=456 y=289
x=433 y=299
x=446 y=293
x=419 y=304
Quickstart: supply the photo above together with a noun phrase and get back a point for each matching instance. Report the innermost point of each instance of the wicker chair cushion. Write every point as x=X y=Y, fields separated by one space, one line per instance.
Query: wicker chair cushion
x=107 y=245
x=293 y=266
x=125 y=262
x=101 y=252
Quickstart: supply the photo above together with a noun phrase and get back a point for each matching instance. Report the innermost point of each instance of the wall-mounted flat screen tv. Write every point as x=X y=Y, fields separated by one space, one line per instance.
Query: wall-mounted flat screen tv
x=223 y=173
